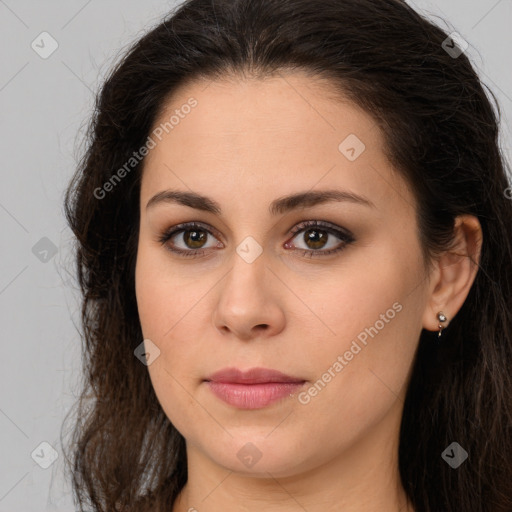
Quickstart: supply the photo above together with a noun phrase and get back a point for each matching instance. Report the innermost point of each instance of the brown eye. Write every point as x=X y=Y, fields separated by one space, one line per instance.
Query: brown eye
x=188 y=239
x=316 y=237
x=319 y=238
x=194 y=238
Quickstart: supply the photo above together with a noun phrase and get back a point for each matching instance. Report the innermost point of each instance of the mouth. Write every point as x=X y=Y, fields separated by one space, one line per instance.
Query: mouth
x=252 y=389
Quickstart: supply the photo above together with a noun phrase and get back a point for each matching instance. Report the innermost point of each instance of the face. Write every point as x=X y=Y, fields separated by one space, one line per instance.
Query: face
x=328 y=290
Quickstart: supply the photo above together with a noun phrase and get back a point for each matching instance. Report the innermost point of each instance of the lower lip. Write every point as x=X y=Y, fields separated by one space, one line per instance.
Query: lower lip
x=253 y=396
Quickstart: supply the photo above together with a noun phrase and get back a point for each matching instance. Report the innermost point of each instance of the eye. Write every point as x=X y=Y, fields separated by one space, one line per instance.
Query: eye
x=192 y=236
x=317 y=237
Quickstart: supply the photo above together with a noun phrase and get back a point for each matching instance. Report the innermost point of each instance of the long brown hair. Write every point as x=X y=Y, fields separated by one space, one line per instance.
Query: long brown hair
x=442 y=136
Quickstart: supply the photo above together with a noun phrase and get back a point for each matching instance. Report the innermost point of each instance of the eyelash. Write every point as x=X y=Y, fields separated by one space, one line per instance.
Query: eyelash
x=345 y=236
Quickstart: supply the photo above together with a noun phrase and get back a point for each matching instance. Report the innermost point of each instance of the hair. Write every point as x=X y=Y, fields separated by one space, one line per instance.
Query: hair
x=442 y=136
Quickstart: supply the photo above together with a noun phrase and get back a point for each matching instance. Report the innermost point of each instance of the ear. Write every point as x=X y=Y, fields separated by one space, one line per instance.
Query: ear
x=454 y=272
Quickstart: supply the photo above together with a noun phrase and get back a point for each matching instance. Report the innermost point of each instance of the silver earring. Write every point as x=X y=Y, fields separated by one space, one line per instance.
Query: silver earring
x=442 y=318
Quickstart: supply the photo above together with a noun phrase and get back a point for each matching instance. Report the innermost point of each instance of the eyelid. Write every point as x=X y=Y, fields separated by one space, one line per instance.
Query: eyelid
x=342 y=233
x=328 y=226
x=296 y=228
x=190 y=225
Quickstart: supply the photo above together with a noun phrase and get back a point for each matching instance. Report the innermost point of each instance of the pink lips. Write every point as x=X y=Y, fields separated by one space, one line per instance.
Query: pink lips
x=253 y=389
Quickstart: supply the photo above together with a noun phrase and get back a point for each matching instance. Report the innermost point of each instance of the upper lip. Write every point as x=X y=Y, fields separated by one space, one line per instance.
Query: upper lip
x=251 y=376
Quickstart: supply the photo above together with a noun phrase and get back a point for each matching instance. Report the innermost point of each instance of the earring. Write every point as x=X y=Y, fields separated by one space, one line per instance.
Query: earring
x=442 y=318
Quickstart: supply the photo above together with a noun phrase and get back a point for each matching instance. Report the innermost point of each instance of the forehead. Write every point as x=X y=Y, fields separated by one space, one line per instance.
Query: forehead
x=285 y=133
x=293 y=106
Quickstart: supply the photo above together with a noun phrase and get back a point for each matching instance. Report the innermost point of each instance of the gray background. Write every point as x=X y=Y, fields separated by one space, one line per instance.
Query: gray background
x=44 y=106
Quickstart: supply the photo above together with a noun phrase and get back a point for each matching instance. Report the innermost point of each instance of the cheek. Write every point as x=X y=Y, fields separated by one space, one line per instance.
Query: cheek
x=355 y=298
x=165 y=311
x=163 y=298
x=373 y=317
x=170 y=305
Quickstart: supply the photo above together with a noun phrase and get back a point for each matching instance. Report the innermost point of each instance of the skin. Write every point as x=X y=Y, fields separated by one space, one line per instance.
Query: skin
x=245 y=144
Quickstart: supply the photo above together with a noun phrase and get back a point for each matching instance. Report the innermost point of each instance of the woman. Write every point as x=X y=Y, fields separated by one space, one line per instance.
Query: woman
x=294 y=248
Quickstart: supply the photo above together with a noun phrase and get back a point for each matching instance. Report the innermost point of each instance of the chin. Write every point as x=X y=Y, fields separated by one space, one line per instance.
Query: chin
x=257 y=455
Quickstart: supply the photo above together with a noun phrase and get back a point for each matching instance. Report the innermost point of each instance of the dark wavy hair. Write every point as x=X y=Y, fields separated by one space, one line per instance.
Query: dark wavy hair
x=442 y=135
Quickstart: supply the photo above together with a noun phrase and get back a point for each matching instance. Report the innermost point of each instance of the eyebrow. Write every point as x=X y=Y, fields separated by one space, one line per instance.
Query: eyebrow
x=278 y=206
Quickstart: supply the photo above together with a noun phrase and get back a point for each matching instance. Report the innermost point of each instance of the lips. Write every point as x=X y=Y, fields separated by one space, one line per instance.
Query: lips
x=252 y=376
x=253 y=389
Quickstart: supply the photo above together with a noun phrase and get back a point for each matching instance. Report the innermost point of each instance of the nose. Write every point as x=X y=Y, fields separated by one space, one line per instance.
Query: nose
x=250 y=301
